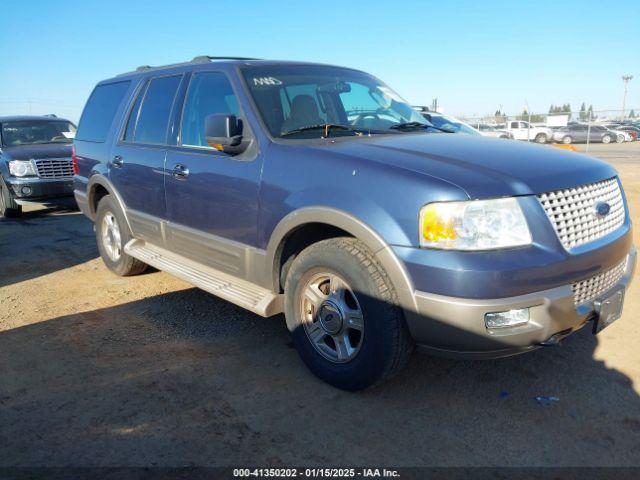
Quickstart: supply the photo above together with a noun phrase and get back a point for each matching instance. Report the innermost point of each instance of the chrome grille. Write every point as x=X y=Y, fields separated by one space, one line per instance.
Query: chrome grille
x=54 y=167
x=591 y=288
x=572 y=211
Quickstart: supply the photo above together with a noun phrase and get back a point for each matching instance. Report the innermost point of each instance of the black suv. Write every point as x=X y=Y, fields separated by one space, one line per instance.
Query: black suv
x=35 y=162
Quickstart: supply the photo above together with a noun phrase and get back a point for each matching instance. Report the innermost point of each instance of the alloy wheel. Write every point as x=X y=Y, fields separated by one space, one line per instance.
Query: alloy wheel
x=332 y=317
x=111 y=238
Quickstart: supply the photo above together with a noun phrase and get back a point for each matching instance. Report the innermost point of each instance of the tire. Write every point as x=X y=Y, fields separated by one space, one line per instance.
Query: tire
x=567 y=140
x=619 y=138
x=606 y=139
x=541 y=138
x=377 y=346
x=111 y=241
x=8 y=206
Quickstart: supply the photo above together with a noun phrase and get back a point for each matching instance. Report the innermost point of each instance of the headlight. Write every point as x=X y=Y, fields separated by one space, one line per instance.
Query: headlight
x=22 y=168
x=474 y=225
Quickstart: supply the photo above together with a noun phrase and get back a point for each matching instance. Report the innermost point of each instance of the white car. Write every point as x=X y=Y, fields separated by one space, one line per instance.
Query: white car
x=622 y=135
x=487 y=130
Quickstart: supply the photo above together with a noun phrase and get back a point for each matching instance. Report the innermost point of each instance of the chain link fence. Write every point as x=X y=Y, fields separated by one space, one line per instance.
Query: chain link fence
x=584 y=126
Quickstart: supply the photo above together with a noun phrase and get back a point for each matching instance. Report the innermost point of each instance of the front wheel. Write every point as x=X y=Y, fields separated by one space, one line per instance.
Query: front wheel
x=606 y=139
x=8 y=207
x=541 y=138
x=567 y=140
x=112 y=234
x=342 y=310
x=619 y=138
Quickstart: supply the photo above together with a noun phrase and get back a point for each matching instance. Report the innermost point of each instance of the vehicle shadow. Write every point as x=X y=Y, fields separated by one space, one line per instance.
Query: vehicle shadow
x=42 y=241
x=186 y=379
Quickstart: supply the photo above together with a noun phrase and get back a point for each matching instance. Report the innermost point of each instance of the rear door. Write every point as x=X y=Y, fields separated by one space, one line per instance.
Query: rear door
x=138 y=159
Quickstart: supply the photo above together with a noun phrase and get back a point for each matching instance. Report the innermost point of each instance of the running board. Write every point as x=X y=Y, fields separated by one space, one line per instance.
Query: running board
x=240 y=292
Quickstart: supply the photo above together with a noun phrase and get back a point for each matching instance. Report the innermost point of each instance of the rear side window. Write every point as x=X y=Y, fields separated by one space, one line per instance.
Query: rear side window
x=153 y=118
x=208 y=93
x=133 y=115
x=97 y=116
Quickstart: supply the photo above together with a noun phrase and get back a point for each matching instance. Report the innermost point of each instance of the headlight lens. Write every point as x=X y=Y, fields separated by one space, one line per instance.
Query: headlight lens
x=22 y=168
x=474 y=225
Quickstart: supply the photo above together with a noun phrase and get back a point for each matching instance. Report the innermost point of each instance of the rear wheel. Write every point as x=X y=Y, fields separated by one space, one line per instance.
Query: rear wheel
x=567 y=140
x=619 y=138
x=342 y=310
x=606 y=139
x=541 y=138
x=112 y=234
x=8 y=207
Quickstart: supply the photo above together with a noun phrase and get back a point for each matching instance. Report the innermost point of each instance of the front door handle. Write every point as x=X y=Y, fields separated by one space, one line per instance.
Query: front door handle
x=117 y=161
x=180 y=172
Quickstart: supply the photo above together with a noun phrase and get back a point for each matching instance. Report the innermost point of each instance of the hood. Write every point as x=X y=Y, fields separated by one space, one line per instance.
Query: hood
x=45 y=150
x=483 y=167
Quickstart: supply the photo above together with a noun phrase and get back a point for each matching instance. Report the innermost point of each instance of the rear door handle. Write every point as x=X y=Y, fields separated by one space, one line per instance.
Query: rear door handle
x=117 y=161
x=180 y=172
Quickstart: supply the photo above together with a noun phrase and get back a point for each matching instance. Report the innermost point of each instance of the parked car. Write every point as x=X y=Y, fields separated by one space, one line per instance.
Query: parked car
x=525 y=131
x=317 y=191
x=578 y=133
x=622 y=133
x=633 y=131
x=35 y=162
x=487 y=130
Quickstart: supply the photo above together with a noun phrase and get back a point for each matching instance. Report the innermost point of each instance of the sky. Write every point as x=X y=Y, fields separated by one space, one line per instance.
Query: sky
x=474 y=56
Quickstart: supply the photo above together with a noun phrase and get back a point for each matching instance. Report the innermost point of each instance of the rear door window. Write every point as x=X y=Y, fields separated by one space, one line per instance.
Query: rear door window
x=98 y=114
x=153 y=119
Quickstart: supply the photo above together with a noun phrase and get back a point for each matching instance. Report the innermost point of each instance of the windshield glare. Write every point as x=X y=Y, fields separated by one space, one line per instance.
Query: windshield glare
x=449 y=124
x=290 y=98
x=32 y=132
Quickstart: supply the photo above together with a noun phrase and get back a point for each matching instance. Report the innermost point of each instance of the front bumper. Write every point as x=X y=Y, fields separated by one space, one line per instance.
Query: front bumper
x=456 y=327
x=37 y=190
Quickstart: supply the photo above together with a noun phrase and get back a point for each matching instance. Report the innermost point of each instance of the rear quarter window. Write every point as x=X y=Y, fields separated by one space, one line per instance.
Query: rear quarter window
x=99 y=111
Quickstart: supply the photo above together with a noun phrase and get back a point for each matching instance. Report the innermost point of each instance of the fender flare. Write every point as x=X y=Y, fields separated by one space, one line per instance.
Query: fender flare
x=355 y=227
x=99 y=179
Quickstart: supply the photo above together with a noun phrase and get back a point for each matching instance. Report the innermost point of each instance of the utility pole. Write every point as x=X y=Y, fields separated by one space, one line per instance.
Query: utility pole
x=625 y=79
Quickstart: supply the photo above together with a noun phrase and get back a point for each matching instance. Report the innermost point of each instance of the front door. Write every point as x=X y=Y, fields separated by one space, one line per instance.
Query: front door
x=212 y=197
x=137 y=161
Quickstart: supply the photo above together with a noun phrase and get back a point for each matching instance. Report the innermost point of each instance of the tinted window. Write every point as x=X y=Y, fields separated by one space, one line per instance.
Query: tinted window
x=156 y=107
x=99 y=111
x=514 y=124
x=208 y=93
x=32 y=132
x=133 y=115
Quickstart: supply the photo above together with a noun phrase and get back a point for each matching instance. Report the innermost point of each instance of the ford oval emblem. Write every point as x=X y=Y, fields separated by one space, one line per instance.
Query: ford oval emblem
x=602 y=209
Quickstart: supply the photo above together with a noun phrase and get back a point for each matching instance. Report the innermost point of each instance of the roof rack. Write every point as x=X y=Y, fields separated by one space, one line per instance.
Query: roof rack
x=198 y=59
x=209 y=58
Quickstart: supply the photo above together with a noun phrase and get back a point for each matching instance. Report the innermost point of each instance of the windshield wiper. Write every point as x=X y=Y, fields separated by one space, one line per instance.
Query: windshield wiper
x=414 y=125
x=327 y=127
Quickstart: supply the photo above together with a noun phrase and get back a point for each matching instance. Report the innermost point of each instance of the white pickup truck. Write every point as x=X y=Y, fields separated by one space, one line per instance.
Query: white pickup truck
x=525 y=131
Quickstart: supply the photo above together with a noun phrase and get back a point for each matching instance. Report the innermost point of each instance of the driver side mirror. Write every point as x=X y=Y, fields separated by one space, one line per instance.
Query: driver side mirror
x=223 y=131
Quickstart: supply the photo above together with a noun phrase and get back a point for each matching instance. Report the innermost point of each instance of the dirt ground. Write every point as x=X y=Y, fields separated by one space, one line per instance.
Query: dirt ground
x=97 y=370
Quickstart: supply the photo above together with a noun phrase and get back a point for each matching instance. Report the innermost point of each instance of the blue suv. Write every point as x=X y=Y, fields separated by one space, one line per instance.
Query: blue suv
x=318 y=192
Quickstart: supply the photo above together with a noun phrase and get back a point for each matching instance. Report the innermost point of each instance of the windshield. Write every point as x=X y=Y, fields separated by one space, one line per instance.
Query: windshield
x=32 y=132
x=449 y=124
x=292 y=98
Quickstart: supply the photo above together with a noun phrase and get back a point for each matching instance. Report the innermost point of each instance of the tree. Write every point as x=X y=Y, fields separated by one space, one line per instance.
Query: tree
x=632 y=114
x=583 y=112
x=590 y=115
